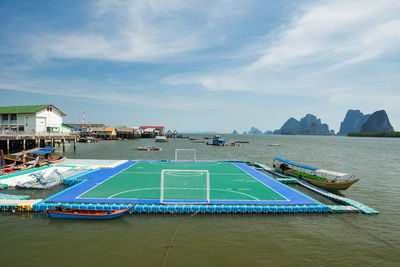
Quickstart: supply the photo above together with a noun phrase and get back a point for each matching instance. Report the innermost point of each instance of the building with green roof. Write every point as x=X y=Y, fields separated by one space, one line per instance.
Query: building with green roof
x=31 y=120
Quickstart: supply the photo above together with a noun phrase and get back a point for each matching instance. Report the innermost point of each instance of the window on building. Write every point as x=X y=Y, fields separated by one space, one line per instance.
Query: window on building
x=21 y=128
x=53 y=129
x=4 y=118
x=13 y=117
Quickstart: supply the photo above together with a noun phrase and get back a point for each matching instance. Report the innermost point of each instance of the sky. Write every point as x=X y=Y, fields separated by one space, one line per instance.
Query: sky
x=202 y=65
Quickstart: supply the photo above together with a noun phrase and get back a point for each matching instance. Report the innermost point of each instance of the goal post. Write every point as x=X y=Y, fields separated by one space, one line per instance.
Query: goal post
x=189 y=186
x=185 y=155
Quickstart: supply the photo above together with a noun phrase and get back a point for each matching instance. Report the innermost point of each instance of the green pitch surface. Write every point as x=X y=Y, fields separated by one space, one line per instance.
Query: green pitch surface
x=143 y=181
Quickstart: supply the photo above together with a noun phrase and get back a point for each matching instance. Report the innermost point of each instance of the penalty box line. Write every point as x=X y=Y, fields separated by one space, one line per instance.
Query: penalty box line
x=181 y=171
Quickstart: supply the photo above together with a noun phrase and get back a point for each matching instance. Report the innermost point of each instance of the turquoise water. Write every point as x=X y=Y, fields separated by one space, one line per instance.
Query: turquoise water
x=228 y=240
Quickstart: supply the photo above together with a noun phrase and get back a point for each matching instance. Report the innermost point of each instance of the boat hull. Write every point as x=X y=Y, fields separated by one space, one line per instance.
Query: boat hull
x=59 y=160
x=87 y=214
x=82 y=217
x=323 y=185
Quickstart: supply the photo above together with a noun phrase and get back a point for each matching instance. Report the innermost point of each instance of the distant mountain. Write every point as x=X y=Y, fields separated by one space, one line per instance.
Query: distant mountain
x=268 y=132
x=352 y=122
x=291 y=126
x=254 y=130
x=310 y=124
x=235 y=132
x=377 y=122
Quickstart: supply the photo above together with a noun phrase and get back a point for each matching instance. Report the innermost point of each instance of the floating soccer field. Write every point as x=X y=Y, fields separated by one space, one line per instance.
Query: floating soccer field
x=181 y=183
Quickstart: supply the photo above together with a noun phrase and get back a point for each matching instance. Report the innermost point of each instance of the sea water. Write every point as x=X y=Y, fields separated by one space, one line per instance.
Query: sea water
x=231 y=239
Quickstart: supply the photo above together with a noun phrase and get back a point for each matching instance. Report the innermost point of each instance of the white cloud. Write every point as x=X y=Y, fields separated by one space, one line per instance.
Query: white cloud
x=84 y=90
x=141 y=30
x=333 y=30
x=315 y=53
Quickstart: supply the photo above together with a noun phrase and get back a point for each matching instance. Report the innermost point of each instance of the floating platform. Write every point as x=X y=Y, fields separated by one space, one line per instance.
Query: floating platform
x=91 y=163
x=18 y=205
x=178 y=187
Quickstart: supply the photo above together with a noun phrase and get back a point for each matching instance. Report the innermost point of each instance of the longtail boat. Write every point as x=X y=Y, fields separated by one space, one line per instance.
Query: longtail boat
x=46 y=157
x=68 y=213
x=8 y=165
x=322 y=178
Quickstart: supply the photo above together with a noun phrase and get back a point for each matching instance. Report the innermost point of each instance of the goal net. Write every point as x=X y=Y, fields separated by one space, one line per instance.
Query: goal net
x=188 y=186
x=185 y=155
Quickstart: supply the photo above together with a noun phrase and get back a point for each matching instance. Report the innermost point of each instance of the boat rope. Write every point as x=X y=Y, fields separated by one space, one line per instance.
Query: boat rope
x=171 y=242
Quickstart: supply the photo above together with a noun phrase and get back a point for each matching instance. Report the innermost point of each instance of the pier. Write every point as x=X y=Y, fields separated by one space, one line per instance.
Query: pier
x=16 y=143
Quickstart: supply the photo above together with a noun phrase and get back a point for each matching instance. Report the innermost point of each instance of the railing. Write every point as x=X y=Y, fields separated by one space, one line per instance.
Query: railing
x=36 y=134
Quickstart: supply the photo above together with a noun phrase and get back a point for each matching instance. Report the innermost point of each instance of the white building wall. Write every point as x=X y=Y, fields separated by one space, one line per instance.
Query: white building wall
x=36 y=123
x=53 y=118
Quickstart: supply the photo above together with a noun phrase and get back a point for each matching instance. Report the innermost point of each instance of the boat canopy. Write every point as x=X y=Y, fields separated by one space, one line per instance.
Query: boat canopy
x=297 y=164
x=330 y=174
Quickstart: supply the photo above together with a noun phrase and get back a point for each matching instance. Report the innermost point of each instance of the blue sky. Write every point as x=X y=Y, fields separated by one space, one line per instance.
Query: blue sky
x=202 y=65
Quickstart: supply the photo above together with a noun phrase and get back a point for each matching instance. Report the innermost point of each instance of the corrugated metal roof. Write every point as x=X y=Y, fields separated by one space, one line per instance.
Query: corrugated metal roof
x=109 y=129
x=26 y=109
x=152 y=127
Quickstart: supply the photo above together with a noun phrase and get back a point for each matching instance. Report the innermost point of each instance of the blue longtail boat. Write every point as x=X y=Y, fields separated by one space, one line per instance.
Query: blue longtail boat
x=68 y=213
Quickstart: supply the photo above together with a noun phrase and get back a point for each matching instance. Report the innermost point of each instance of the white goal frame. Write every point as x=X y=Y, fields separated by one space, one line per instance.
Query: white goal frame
x=201 y=171
x=185 y=149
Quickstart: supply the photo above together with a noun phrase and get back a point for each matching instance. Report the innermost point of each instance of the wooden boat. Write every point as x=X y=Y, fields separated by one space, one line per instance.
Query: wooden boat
x=152 y=148
x=218 y=141
x=56 y=160
x=162 y=139
x=322 y=178
x=68 y=213
x=46 y=157
x=235 y=144
x=9 y=165
x=8 y=162
x=88 y=139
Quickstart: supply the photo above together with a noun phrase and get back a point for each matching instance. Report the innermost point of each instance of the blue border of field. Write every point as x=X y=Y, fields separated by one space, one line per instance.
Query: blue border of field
x=71 y=195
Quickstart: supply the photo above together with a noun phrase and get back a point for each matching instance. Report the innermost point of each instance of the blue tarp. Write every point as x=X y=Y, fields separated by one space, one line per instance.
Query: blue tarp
x=297 y=164
x=48 y=148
